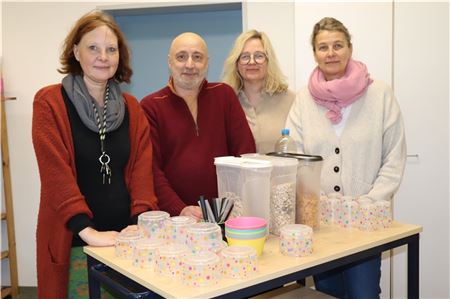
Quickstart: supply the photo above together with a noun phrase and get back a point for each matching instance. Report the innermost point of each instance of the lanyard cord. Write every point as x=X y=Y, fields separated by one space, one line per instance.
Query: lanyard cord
x=104 y=157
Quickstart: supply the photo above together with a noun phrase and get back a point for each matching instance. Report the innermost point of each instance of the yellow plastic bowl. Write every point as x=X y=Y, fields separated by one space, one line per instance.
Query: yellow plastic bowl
x=258 y=244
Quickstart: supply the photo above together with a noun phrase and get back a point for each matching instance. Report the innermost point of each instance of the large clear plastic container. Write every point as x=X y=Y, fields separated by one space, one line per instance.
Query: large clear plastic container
x=308 y=187
x=283 y=181
x=247 y=181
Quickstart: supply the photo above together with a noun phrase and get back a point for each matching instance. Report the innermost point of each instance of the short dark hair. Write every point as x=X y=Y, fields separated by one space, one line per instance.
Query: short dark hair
x=85 y=24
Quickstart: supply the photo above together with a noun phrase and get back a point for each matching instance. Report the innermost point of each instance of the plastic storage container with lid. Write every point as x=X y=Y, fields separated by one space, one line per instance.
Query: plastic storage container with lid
x=152 y=224
x=170 y=259
x=239 y=261
x=125 y=242
x=146 y=252
x=247 y=181
x=176 y=228
x=201 y=269
x=308 y=187
x=282 y=190
x=204 y=236
x=296 y=240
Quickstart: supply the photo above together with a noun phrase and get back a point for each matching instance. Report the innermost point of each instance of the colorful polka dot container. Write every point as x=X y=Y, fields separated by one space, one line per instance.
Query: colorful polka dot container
x=383 y=213
x=176 y=228
x=368 y=215
x=170 y=260
x=204 y=236
x=350 y=212
x=296 y=240
x=201 y=269
x=239 y=262
x=152 y=224
x=325 y=210
x=146 y=252
x=125 y=243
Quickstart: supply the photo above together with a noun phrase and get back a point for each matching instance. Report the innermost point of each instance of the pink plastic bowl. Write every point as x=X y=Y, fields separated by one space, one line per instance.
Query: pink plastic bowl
x=246 y=223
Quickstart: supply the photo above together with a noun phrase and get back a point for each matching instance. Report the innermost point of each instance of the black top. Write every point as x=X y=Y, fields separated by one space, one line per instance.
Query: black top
x=109 y=203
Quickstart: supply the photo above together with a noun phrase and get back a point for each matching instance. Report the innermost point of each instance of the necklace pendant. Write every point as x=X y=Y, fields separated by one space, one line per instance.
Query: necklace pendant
x=105 y=170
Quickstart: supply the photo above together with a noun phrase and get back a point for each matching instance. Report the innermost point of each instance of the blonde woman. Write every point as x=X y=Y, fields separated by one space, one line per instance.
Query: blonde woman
x=252 y=70
x=355 y=124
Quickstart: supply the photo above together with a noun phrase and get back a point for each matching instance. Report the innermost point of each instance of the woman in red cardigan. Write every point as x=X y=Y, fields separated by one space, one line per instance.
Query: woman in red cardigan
x=94 y=155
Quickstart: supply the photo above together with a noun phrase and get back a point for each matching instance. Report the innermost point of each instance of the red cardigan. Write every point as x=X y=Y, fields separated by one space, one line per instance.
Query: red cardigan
x=60 y=196
x=183 y=152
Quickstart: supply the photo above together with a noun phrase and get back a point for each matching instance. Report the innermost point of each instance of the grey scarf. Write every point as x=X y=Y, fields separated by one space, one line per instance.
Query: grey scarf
x=78 y=94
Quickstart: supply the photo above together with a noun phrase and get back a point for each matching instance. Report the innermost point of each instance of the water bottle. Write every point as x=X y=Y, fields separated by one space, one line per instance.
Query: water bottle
x=285 y=143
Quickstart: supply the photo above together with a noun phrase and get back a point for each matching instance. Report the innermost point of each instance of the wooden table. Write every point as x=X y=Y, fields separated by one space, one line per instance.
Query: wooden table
x=333 y=247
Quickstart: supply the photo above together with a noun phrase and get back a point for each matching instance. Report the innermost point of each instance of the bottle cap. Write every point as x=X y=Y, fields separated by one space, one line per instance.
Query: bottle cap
x=285 y=131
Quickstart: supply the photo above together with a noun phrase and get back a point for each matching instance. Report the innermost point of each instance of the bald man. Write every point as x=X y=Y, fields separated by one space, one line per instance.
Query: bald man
x=192 y=121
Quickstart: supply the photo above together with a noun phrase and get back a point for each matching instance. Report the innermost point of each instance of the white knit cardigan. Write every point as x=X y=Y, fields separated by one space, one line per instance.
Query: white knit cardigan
x=369 y=157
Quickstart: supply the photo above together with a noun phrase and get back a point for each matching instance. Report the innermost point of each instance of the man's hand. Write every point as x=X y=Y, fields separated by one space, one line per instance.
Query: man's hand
x=192 y=211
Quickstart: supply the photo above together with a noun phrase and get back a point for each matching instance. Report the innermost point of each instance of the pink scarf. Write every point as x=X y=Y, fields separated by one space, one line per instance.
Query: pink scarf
x=339 y=93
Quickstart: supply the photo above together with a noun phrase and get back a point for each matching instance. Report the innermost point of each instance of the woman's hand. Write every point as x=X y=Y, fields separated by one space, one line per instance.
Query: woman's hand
x=95 y=238
x=192 y=211
x=130 y=228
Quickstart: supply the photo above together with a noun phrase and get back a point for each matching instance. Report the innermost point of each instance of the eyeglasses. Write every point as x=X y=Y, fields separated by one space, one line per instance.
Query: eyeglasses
x=258 y=58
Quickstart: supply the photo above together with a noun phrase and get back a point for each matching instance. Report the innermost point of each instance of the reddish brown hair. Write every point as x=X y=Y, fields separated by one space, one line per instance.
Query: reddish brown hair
x=87 y=23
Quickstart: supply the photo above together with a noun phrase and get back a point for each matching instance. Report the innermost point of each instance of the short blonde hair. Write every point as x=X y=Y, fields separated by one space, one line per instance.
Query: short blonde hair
x=275 y=80
x=330 y=24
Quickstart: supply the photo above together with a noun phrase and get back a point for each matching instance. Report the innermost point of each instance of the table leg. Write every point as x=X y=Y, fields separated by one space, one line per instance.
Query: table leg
x=94 y=284
x=413 y=267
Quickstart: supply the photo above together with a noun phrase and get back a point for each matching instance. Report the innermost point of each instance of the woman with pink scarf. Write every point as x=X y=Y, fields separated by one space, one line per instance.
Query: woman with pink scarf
x=355 y=124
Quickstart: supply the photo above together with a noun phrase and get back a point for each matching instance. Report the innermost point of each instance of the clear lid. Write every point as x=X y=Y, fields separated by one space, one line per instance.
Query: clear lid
x=242 y=162
x=300 y=157
x=276 y=161
x=238 y=251
x=154 y=215
x=149 y=243
x=180 y=221
x=173 y=250
x=296 y=229
x=203 y=228
x=202 y=258
x=130 y=235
